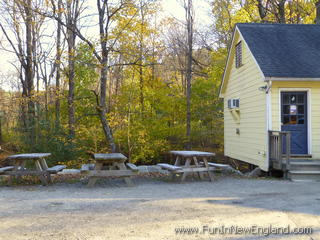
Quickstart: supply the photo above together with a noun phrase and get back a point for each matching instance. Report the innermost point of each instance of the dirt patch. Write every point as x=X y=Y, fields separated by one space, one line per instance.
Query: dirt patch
x=155 y=208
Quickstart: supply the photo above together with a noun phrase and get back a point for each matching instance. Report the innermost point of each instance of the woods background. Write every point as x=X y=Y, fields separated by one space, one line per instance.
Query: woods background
x=120 y=75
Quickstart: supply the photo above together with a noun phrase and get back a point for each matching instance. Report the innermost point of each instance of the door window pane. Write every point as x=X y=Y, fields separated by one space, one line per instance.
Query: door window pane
x=293 y=109
x=286 y=109
x=300 y=98
x=301 y=109
x=286 y=120
x=293 y=98
x=301 y=119
x=286 y=99
x=293 y=119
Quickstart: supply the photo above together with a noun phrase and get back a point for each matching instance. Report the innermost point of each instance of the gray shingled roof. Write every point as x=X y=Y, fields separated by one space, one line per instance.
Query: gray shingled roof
x=284 y=50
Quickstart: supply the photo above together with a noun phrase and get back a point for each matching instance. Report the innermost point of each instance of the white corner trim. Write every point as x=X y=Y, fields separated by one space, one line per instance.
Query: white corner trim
x=309 y=106
x=269 y=106
x=268 y=121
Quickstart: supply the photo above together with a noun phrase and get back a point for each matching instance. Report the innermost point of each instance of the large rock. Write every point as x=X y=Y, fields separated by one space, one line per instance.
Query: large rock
x=151 y=169
x=69 y=171
x=255 y=172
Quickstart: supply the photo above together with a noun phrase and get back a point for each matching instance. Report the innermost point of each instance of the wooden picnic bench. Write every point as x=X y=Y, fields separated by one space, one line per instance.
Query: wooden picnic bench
x=187 y=162
x=110 y=165
x=38 y=166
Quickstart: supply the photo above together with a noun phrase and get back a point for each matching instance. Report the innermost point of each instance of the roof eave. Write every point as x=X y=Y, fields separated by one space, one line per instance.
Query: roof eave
x=221 y=95
x=294 y=79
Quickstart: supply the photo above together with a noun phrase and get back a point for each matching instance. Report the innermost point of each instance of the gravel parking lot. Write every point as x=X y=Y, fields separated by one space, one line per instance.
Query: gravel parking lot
x=157 y=209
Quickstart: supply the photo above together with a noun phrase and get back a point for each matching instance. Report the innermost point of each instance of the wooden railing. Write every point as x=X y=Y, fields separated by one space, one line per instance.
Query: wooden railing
x=279 y=150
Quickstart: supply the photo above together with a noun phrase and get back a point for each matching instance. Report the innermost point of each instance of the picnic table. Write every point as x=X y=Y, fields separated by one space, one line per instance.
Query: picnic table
x=110 y=165
x=38 y=166
x=187 y=162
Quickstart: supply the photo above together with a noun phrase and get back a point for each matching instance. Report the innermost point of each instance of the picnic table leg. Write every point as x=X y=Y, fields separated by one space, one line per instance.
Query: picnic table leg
x=128 y=180
x=207 y=165
x=16 y=166
x=42 y=175
x=44 y=166
x=48 y=176
x=198 y=165
x=21 y=164
x=43 y=163
x=185 y=174
x=176 y=163
x=10 y=180
x=93 y=180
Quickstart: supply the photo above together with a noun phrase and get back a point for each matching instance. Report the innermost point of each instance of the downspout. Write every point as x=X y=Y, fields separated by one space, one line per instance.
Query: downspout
x=317 y=21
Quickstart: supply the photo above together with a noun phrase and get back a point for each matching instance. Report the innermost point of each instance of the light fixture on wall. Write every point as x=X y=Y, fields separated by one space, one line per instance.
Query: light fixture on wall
x=263 y=88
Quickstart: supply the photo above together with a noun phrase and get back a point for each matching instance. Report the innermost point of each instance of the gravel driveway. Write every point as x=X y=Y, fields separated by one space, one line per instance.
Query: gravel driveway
x=156 y=209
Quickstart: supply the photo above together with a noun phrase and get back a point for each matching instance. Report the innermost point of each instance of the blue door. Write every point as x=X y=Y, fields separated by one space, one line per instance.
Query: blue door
x=294 y=119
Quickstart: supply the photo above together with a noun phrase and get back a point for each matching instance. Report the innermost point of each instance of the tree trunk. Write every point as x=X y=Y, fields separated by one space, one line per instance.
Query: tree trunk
x=189 y=71
x=58 y=64
x=141 y=84
x=141 y=80
x=317 y=12
x=262 y=10
x=0 y=129
x=71 y=108
x=281 y=11
x=102 y=108
x=102 y=104
x=29 y=72
x=71 y=21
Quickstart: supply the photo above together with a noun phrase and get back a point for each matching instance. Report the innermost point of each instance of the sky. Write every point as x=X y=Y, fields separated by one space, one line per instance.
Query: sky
x=202 y=10
x=171 y=8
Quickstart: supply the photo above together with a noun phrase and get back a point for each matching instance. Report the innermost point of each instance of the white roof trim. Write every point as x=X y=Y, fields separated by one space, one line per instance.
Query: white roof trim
x=292 y=79
x=228 y=59
x=254 y=59
x=227 y=63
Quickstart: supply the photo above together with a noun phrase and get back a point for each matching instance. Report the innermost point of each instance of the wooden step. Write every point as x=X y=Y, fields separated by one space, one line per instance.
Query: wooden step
x=301 y=156
x=305 y=176
x=304 y=160
x=305 y=166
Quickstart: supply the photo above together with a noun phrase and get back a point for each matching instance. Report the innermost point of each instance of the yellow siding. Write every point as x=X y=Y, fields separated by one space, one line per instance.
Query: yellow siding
x=251 y=144
x=314 y=94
